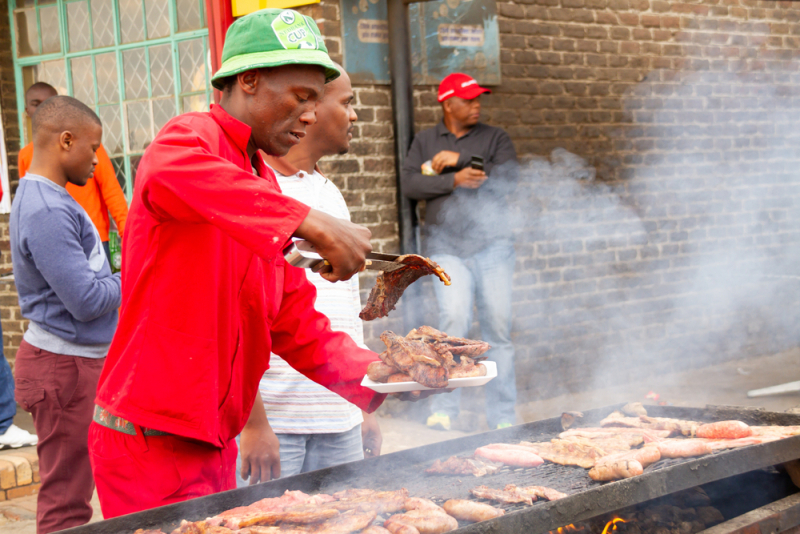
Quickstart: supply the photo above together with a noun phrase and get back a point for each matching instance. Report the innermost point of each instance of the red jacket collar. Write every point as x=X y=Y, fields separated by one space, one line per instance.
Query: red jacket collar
x=238 y=131
x=282 y=165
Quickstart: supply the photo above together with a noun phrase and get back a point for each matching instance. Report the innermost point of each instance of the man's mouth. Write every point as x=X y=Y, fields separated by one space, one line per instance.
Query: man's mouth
x=297 y=135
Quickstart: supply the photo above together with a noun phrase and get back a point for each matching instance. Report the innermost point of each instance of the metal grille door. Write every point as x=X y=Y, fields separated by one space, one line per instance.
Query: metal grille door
x=138 y=63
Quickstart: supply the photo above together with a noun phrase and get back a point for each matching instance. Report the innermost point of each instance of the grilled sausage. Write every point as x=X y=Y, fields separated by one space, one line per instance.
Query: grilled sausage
x=471 y=511
x=724 y=430
x=615 y=470
x=379 y=371
x=684 y=448
x=375 y=529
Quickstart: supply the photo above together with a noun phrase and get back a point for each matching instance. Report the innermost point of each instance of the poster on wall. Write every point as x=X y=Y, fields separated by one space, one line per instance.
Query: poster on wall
x=5 y=203
x=366 y=40
x=455 y=36
x=446 y=36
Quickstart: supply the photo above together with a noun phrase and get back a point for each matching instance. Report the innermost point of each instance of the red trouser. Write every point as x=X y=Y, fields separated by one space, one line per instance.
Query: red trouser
x=135 y=473
x=59 y=392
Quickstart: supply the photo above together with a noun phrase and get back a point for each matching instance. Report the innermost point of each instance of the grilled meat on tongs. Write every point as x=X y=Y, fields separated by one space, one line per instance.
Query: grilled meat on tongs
x=390 y=285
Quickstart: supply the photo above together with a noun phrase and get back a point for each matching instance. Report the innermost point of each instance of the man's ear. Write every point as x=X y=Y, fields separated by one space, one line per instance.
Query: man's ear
x=66 y=140
x=248 y=81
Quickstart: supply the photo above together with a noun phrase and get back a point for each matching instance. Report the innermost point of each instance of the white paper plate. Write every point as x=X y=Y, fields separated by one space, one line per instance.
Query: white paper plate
x=399 y=387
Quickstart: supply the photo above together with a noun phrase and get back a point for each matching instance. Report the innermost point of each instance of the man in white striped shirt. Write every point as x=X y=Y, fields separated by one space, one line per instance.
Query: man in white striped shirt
x=315 y=427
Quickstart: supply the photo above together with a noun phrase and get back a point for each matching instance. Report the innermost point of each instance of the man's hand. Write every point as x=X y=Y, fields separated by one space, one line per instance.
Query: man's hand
x=371 y=438
x=260 y=448
x=345 y=245
x=469 y=178
x=445 y=158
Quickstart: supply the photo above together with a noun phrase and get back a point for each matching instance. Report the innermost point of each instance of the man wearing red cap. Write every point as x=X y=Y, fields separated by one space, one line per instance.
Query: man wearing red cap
x=467 y=232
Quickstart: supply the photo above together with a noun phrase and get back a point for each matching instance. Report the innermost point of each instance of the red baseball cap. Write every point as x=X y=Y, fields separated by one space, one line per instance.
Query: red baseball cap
x=460 y=85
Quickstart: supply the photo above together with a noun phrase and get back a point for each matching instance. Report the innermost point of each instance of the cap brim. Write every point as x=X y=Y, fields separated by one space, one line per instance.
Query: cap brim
x=275 y=58
x=473 y=91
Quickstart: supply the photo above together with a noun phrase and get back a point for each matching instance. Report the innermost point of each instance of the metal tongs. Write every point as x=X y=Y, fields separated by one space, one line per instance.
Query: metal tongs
x=301 y=253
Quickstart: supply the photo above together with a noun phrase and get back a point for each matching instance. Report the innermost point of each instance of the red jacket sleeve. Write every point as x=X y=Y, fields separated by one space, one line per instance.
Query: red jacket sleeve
x=303 y=337
x=189 y=182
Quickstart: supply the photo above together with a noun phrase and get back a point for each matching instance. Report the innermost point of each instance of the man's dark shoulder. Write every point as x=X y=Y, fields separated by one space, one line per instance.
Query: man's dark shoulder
x=427 y=135
x=484 y=129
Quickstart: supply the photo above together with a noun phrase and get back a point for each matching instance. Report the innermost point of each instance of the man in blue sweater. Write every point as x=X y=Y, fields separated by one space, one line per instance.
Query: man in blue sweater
x=67 y=291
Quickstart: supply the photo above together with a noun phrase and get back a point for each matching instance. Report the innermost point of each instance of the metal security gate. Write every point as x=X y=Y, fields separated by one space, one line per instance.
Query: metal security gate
x=137 y=63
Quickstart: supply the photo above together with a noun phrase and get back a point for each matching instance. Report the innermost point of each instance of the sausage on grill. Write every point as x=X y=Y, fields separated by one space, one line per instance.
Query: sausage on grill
x=471 y=511
x=724 y=430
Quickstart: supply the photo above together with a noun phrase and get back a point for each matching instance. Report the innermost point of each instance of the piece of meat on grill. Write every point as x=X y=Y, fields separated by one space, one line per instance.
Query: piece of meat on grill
x=614 y=432
x=540 y=492
x=400 y=528
x=505 y=496
x=570 y=419
x=620 y=419
x=624 y=464
x=724 y=430
x=353 y=492
x=375 y=529
x=260 y=530
x=425 y=521
x=143 y=531
x=677 y=427
x=683 y=448
x=389 y=286
x=513 y=457
x=471 y=510
x=197 y=527
x=379 y=502
x=414 y=358
x=463 y=466
x=380 y=371
x=615 y=470
x=350 y=521
x=569 y=452
x=418 y=503
x=302 y=517
x=230 y=518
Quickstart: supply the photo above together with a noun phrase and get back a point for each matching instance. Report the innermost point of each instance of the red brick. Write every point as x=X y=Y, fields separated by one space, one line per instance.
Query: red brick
x=22 y=491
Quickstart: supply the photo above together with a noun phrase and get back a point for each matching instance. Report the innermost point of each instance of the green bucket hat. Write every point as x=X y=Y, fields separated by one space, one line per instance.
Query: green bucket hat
x=271 y=38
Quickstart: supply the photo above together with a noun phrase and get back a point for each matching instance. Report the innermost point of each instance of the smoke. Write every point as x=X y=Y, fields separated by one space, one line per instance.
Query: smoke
x=682 y=254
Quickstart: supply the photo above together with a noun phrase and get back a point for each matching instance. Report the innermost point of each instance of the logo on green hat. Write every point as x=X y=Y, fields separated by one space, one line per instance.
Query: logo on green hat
x=293 y=32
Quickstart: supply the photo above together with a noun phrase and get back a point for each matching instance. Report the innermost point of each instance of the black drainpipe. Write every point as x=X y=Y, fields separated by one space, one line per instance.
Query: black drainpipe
x=403 y=114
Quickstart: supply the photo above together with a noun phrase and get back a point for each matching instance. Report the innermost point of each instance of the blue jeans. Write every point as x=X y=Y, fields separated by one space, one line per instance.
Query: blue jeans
x=8 y=407
x=484 y=279
x=301 y=453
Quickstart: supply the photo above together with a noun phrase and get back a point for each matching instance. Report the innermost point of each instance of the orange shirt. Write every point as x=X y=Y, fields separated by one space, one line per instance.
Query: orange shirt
x=100 y=195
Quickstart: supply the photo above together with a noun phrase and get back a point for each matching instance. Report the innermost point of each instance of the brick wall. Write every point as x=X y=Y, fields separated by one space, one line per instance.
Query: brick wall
x=685 y=112
x=12 y=322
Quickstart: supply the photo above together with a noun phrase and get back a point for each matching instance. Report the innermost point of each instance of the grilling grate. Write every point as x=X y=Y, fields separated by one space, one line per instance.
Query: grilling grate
x=586 y=499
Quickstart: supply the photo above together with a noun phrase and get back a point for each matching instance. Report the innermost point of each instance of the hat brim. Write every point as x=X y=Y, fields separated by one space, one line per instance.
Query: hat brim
x=468 y=93
x=275 y=58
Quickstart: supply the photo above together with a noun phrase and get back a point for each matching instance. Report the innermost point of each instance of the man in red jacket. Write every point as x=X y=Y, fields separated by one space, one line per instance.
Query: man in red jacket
x=206 y=291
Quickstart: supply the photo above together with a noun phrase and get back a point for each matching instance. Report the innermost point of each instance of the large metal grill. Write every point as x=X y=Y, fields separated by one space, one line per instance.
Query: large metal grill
x=586 y=499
